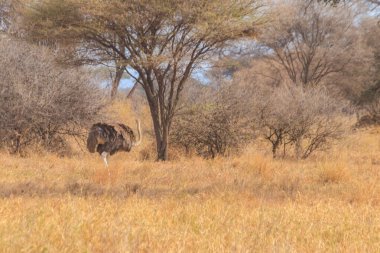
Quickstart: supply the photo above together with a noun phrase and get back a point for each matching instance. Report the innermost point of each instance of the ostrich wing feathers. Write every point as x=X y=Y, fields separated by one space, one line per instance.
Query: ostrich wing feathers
x=110 y=138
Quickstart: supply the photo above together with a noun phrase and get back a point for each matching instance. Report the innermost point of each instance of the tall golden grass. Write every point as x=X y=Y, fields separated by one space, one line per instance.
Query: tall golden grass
x=247 y=203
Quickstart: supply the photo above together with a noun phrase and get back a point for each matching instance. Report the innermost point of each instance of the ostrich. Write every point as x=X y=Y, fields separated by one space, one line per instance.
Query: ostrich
x=108 y=139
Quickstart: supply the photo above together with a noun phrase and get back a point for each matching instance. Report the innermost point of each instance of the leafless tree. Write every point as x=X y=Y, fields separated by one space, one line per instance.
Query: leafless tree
x=309 y=40
x=41 y=102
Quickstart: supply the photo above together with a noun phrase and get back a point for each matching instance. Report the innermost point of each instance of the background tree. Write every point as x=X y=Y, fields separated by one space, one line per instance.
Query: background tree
x=160 y=42
x=310 y=41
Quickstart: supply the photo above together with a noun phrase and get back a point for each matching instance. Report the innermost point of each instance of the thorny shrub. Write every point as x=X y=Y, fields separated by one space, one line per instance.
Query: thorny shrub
x=40 y=102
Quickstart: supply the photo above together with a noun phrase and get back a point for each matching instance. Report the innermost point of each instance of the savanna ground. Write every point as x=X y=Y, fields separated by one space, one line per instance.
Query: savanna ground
x=248 y=203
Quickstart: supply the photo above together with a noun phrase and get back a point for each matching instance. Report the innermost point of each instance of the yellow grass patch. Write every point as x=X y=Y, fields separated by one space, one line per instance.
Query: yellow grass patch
x=248 y=203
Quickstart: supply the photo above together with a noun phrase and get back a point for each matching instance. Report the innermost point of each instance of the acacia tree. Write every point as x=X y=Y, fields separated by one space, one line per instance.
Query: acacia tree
x=158 y=43
x=40 y=22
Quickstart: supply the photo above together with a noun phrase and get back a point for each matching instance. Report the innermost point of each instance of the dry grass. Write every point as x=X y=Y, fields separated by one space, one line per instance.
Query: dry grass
x=251 y=203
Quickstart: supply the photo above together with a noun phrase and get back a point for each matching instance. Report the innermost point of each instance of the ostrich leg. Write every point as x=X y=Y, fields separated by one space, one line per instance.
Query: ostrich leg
x=104 y=156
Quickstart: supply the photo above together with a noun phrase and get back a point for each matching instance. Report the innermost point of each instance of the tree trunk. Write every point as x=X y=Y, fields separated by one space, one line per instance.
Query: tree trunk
x=116 y=81
x=162 y=142
x=162 y=148
x=275 y=142
x=274 y=149
x=161 y=131
x=298 y=148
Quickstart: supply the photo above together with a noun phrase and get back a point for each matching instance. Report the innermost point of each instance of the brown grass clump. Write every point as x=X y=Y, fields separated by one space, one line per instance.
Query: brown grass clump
x=257 y=164
x=333 y=172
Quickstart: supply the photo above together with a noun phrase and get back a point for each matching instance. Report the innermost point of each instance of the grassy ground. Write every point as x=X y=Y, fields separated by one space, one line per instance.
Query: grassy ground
x=250 y=203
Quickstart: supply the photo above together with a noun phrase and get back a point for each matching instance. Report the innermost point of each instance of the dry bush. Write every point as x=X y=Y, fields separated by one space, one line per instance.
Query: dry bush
x=40 y=102
x=369 y=98
x=213 y=125
x=209 y=129
x=370 y=103
x=306 y=119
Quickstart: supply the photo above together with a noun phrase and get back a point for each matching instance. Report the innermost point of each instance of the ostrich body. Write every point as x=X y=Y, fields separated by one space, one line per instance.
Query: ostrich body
x=107 y=139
